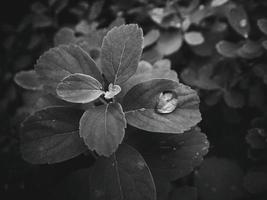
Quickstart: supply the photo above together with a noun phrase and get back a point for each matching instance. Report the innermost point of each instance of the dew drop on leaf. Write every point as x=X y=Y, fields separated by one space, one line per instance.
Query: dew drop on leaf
x=167 y=103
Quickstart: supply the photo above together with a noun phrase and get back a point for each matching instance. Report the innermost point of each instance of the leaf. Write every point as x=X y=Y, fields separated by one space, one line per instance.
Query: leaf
x=184 y=193
x=194 y=38
x=151 y=37
x=113 y=90
x=216 y=3
x=102 y=128
x=227 y=49
x=96 y=9
x=146 y=72
x=41 y=21
x=51 y=136
x=256 y=138
x=64 y=36
x=141 y=103
x=120 y=53
x=238 y=19
x=28 y=80
x=201 y=77
x=234 y=99
x=250 y=50
x=79 y=88
x=170 y=156
x=62 y=61
x=262 y=24
x=219 y=179
x=169 y=42
x=125 y=175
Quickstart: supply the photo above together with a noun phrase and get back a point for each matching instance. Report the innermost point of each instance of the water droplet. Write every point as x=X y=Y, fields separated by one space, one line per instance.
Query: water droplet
x=243 y=23
x=167 y=103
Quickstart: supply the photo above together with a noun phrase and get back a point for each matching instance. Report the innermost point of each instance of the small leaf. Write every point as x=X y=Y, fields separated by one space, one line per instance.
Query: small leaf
x=200 y=77
x=194 y=38
x=62 y=61
x=250 y=50
x=216 y=3
x=125 y=175
x=28 y=80
x=227 y=49
x=238 y=19
x=262 y=24
x=151 y=37
x=42 y=21
x=120 y=53
x=219 y=179
x=64 y=36
x=257 y=138
x=234 y=99
x=113 y=90
x=169 y=42
x=141 y=102
x=79 y=88
x=102 y=128
x=51 y=135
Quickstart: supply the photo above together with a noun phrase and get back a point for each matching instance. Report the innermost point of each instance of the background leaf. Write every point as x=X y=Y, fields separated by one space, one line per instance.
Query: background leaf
x=51 y=135
x=28 y=80
x=79 y=88
x=194 y=38
x=120 y=52
x=102 y=128
x=238 y=19
x=219 y=179
x=125 y=175
x=141 y=101
x=169 y=42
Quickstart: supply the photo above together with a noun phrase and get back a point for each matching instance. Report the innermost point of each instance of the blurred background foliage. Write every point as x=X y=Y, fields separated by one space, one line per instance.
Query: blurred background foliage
x=218 y=47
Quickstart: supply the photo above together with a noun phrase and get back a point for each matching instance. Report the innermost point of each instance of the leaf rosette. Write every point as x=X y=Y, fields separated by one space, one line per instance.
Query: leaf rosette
x=115 y=91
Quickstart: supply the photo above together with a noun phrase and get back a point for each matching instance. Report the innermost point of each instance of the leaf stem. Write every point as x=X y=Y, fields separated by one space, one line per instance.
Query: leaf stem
x=103 y=100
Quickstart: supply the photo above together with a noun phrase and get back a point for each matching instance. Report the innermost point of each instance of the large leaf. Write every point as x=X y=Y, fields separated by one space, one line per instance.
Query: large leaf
x=59 y=62
x=171 y=156
x=125 y=176
x=120 y=52
x=102 y=128
x=146 y=109
x=79 y=88
x=146 y=72
x=51 y=135
x=28 y=80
